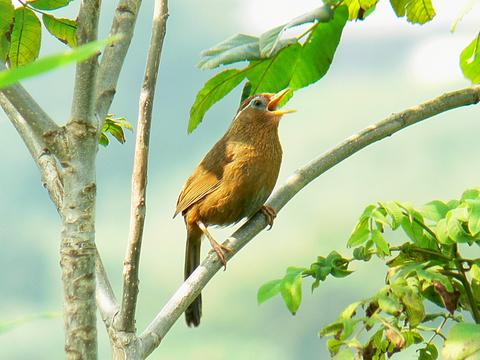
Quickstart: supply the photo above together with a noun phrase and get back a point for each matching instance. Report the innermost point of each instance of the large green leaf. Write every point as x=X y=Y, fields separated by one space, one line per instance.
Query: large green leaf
x=268 y=290
x=463 y=342
x=213 y=90
x=11 y=76
x=48 y=4
x=291 y=288
x=417 y=11
x=63 y=29
x=7 y=14
x=318 y=50
x=470 y=61
x=25 y=38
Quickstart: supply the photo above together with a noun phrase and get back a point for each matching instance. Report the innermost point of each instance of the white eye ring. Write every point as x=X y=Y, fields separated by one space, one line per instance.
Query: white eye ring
x=257 y=103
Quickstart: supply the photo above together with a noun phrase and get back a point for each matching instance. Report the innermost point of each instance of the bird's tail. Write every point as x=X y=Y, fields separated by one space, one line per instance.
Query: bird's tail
x=192 y=260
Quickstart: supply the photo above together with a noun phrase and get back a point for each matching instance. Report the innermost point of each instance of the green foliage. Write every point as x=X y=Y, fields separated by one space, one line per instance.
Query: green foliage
x=417 y=11
x=25 y=38
x=48 y=4
x=63 y=29
x=274 y=63
x=114 y=126
x=470 y=61
x=11 y=76
x=428 y=282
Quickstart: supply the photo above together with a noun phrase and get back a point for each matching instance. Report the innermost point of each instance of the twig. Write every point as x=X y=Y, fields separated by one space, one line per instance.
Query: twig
x=126 y=317
x=106 y=302
x=438 y=330
x=114 y=55
x=466 y=284
x=185 y=294
x=46 y=162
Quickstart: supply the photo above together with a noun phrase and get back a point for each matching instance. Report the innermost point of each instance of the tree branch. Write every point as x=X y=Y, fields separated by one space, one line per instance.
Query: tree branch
x=106 y=302
x=35 y=118
x=126 y=317
x=189 y=290
x=114 y=55
x=46 y=163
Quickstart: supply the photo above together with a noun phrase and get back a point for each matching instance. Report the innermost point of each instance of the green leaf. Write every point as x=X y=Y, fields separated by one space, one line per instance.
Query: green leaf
x=331 y=329
x=358 y=8
x=395 y=213
x=7 y=14
x=268 y=290
x=350 y=310
x=213 y=90
x=115 y=127
x=48 y=4
x=318 y=50
x=25 y=38
x=274 y=74
x=239 y=47
x=463 y=342
x=470 y=194
x=11 y=76
x=470 y=61
x=291 y=288
x=429 y=352
x=434 y=210
x=389 y=304
x=103 y=140
x=417 y=11
x=474 y=216
x=345 y=354
x=270 y=41
x=63 y=29
x=432 y=275
x=360 y=234
x=380 y=243
x=454 y=227
x=4 y=48
x=414 y=307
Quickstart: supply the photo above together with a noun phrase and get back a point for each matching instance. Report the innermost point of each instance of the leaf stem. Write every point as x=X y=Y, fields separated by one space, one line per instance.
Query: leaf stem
x=466 y=284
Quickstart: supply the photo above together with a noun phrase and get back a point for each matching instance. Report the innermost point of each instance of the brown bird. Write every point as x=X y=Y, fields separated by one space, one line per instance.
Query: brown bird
x=233 y=181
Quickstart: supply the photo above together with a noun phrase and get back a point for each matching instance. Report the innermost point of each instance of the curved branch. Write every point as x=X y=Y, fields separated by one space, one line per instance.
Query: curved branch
x=187 y=292
x=126 y=317
x=114 y=55
x=46 y=162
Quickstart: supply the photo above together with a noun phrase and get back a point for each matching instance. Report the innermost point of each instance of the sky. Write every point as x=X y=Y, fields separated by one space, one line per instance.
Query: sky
x=382 y=65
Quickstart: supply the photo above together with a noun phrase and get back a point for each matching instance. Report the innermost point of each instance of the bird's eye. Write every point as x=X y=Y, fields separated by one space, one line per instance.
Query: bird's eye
x=257 y=103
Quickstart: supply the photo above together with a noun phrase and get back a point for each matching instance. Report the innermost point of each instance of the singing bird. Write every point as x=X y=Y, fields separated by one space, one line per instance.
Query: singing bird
x=233 y=181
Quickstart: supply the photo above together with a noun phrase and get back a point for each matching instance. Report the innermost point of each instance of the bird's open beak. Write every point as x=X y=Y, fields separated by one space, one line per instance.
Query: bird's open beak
x=272 y=105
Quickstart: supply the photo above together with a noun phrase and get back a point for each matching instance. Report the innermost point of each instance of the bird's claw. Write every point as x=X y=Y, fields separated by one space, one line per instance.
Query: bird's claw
x=221 y=250
x=269 y=213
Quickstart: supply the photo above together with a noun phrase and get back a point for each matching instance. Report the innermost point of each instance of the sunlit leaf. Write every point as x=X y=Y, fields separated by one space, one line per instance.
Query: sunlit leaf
x=25 y=38
x=48 y=4
x=417 y=11
x=63 y=29
x=291 y=289
x=434 y=210
x=268 y=290
x=470 y=61
x=7 y=15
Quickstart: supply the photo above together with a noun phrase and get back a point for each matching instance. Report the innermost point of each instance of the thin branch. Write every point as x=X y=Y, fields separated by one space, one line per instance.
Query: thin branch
x=466 y=284
x=86 y=71
x=106 y=302
x=126 y=318
x=35 y=117
x=187 y=292
x=114 y=55
x=46 y=162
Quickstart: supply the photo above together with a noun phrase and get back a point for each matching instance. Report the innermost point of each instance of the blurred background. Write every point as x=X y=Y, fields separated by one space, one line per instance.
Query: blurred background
x=382 y=65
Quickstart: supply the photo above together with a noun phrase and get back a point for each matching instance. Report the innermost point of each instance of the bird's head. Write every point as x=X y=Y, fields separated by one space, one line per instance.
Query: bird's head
x=263 y=107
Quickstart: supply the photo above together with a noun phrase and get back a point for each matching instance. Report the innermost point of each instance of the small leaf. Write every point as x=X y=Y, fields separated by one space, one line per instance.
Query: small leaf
x=395 y=213
x=414 y=307
x=268 y=290
x=291 y=288
x=470 y=61
x=381 y=244
x=470 y=194
x=395 y=337
x=463 y=342
x=4 y=48
x=474 y=216
x=25 y=38
x=389 y=304
x=417 y=11
x=345 y=354
x=213 y=90
x=63 y=29
x=360 y=234
x=103 y=140
x=115 y=127
x=350 y=310
x=450 y=299
x=48 y=4
x=429 y=352
x=11 y=76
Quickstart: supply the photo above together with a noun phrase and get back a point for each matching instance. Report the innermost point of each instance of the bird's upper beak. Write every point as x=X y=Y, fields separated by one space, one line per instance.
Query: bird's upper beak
x=272 y=105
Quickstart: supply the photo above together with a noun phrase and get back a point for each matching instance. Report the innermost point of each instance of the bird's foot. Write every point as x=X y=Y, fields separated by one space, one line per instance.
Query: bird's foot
x=269 y=213
x=221 y=251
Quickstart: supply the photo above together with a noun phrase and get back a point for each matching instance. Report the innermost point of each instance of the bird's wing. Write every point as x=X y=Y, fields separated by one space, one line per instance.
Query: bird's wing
x=199 y=185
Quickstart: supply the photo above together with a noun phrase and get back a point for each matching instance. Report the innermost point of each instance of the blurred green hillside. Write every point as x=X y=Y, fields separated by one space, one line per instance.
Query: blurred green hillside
x=382 y=65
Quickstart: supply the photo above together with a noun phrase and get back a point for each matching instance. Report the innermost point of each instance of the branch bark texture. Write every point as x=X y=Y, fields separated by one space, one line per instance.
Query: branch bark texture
x=189 y=290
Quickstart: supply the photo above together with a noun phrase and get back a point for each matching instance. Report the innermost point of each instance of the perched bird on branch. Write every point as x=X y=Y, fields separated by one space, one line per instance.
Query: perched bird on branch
x=233 y=181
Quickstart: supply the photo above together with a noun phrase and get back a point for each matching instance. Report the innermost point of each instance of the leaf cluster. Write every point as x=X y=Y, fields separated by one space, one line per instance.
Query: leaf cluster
x=427 y=284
